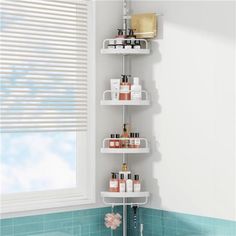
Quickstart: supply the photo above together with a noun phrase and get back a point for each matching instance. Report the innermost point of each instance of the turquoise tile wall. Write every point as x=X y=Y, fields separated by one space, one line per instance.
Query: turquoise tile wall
x=165 y=223
x=76 y=223
x=91 y=223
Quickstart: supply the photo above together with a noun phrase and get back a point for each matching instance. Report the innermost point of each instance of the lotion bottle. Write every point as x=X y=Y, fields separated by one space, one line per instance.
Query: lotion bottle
x=114 y=183
x=122 y=183
x=129 y=184
x=136 y=89
x=137 y=184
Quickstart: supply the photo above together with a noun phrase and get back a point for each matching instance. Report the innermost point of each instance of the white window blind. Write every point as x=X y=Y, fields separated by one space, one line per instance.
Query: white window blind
x=44 y=60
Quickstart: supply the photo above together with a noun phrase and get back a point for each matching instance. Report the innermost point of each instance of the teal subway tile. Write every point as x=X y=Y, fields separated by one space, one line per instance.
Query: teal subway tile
x=28 y=220
x=94 y=228
x=57 y=224
x=6 y=222
x=28 y=228
x=6 y=230
x=58 y=216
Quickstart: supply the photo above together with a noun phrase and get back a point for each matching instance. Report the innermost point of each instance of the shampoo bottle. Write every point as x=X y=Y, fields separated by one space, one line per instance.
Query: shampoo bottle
x=136 y=89
x=137 y=184
x=122 y=183
x=114 y=183
x=129 y=184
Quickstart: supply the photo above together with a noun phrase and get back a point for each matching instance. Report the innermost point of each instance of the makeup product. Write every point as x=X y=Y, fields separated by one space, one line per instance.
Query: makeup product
x=114 y=183
x=137 y=44
x=115 y=89
x=124 y=171
x=120 y=37
x=136 y=90
x=137 y=141
x=131 y=140
x=125 y=88
x=118 y=141
x=125 y=135
x=122 y=183
x=129 y=184
x=112 y=141
x=137 y=184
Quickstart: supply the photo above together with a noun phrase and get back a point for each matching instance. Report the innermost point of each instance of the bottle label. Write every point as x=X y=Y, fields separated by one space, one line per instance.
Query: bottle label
x=122 y=187
x=117 y=144
x=111 y=144
x=129 y=185
x=113 y=184
x=137 y=187
x=124 y=89
x=136 y=95
x=137 y=141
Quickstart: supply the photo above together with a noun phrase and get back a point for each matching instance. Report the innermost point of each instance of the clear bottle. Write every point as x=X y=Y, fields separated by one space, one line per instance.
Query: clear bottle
x=137 y=184
x=137 y=141
x=117 y=141
x=122 y=183
x=112 y=141
x=129 y=184
x=125 y=87
x=125 y=134
x=136 y=89
x=114 y=183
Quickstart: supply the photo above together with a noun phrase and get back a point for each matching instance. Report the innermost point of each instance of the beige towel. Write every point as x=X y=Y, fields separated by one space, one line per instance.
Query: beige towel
x=144 y=25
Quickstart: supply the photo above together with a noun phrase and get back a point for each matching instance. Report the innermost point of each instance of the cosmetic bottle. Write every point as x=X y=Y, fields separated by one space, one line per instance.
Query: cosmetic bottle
x=118 y=141
x=137 y=141
x=125 y=88
x=137 y=44
x=124 y=171
x=122 y=183
x=120 y=39
x=137 y=184
x=112 y=141
x=125 y=134
x=115 y=89
x=129 y=184
x=131 y=140
x=136 y=90
x=114 y=183
x=131 y=36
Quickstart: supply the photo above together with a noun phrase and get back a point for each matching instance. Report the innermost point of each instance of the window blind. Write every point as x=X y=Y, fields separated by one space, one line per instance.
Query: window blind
x=44 y=63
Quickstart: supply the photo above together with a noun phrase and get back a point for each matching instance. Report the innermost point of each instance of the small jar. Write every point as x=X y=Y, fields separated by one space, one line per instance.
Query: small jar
x=112 y=141
x=137 y=141
x=117 y=141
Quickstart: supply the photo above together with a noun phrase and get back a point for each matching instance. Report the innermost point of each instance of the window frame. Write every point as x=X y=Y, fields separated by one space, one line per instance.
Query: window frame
x=28 y=203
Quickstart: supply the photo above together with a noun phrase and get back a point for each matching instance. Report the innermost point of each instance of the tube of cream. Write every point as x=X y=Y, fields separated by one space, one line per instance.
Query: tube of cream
x=115 y=89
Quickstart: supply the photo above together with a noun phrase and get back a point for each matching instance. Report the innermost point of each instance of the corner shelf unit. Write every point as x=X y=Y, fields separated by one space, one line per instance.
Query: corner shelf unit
x=126 y=51
x=134 y=198
x=145 y=101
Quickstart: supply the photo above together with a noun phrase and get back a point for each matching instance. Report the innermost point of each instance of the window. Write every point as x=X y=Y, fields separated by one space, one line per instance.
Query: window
x=46 y=104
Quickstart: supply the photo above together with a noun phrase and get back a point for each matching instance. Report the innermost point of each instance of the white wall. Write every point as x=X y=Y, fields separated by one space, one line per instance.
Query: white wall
x=190 y=75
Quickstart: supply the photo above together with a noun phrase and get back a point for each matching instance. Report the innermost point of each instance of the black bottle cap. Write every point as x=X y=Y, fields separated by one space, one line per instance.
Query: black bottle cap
x=131 y=33
x=129 y=176
x=121 y=176
x=136 y=135
x=124 y=128
x=113 y=175
x=120 y=31
x=136 y=177
x=112 y=136
x=131 y=135
x=117 y=135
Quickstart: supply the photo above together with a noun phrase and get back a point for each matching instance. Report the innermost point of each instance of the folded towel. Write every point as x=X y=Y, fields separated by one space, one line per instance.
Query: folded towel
x=144 y=25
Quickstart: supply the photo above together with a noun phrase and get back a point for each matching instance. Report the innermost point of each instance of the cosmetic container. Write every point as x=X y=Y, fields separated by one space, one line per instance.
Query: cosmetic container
x=137 y=184
x=122 y=183
x=125 y=88
x=137 y=141
x=137 y=44
x=117 y=141
x=129 y=184
x=136 y=90
x=125 y=134
x=131 y=140
x=120 y=37
x=114 y=183
x=112 y=141
x=115 y=89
